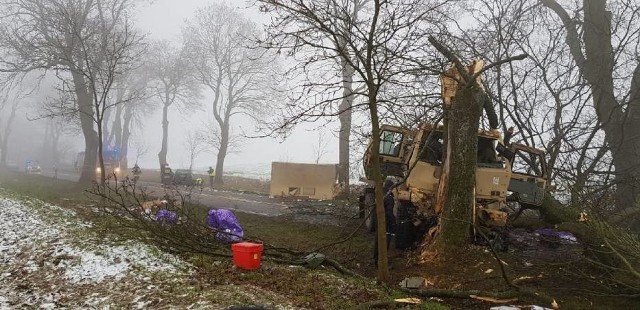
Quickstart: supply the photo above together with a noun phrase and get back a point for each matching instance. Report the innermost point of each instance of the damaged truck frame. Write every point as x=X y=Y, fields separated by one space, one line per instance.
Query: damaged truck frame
x=413 y=160
x=507 y=175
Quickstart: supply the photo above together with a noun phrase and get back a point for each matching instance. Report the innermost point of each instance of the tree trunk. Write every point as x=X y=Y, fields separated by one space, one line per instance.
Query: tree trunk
x=103 y=172
x=622 y=131
x=55 y=139
x=162 y=156
x=460 y=161
x=126 y=134
x=46 y=146
x=222 y=152
x=383 y=259
x=345 y=127
x=86 y=114
x=116 y=128
x=621 y=126
x=4 y=147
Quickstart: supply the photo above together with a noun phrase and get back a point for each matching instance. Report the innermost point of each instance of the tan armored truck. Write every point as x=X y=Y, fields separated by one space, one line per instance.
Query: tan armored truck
x=503 y=174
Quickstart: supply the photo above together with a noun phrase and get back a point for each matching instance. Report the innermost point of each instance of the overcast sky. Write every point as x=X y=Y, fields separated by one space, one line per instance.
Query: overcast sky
x=164 y=19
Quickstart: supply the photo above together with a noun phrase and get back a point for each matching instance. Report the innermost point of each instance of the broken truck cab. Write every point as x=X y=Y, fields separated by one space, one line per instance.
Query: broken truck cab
x=517 y=172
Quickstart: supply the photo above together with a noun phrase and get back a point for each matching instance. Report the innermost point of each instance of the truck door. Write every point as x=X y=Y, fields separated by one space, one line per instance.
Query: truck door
x=529 y=175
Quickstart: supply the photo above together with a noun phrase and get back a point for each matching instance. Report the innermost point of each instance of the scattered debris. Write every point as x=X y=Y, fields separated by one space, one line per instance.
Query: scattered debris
x=413 y=283
x=412 y=301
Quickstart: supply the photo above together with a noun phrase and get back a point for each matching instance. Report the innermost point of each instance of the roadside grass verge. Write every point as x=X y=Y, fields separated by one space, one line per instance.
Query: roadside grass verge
x=321 y=288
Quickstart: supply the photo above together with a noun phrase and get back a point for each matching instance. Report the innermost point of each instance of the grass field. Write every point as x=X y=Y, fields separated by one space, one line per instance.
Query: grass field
x=325 y=288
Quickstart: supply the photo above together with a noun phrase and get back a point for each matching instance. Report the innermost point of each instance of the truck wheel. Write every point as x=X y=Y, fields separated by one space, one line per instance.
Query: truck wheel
x=406 y=231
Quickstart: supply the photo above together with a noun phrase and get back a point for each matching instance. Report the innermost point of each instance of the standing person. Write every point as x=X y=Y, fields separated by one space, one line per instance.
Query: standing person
x=390 y=219
x=212 y=174
x=136 y=173
x=55 y=172
x=199 y=183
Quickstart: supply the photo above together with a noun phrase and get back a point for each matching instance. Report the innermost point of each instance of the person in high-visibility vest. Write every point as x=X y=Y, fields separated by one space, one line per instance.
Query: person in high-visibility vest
x=199 y=183
x=212 y=174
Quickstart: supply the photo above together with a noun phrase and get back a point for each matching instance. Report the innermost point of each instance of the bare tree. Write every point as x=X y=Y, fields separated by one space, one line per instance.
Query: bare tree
x=173 y=83
x=320 y=148
x=241 y=77
x=130 y=116
x=85 y=42
x=383 y=46
x=195 y=143
x=140 y=148
x=602 y=41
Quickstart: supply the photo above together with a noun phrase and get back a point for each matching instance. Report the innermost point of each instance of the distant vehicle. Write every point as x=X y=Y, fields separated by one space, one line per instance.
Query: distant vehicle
x=166 y=175
x=111 y=163
x=111 y=168
x=32 y=166
x=183 y=177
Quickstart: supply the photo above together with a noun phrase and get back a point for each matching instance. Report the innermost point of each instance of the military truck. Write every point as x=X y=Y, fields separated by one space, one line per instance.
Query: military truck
x=413 y=158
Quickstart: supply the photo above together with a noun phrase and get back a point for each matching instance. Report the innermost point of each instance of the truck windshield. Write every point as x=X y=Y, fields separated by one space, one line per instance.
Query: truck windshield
x=431 y=150
x=528 y=163
x=390 y=143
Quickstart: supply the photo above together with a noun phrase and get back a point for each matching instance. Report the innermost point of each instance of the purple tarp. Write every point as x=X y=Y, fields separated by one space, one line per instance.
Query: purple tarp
x=227 y=224
x=166 y=217
x=562 y=235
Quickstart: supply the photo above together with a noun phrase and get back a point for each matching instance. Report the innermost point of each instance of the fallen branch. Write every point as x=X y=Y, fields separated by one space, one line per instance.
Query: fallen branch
x=522 y=293
x=342 y=269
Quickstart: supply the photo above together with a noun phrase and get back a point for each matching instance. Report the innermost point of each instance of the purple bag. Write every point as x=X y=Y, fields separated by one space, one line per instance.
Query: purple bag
x=166 y=217
x=227 y=224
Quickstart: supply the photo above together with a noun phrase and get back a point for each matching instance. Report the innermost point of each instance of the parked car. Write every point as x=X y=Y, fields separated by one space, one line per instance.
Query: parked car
x=183 y=177
x=32 y=166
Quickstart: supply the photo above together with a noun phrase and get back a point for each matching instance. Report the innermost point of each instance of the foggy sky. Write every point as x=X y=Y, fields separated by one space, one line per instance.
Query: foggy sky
x=163 y=19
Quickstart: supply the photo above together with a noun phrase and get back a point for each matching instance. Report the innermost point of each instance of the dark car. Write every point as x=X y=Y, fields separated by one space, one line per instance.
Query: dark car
x=183 y=177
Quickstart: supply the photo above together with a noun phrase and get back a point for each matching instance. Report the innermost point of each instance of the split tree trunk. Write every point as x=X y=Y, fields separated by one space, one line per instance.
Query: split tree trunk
x=460 y=163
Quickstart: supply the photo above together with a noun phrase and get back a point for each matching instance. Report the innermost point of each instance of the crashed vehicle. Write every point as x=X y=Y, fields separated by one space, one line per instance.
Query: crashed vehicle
x=413 y=158
x=504 y=174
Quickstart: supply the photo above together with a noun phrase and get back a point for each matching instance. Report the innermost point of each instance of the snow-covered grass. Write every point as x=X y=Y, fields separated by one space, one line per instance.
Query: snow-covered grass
x=39 y=246
x=50 y=259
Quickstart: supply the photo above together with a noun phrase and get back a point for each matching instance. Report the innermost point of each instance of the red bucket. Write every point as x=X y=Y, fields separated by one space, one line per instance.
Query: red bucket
x=247 y=255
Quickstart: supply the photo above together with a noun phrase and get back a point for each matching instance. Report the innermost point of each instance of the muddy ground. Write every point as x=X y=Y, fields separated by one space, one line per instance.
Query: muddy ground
x=197 y=281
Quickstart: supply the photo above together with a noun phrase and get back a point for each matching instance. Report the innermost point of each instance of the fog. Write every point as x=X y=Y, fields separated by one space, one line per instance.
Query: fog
x=164 y=19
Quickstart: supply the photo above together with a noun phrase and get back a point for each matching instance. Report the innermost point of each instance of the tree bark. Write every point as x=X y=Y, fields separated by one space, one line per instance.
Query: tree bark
x=462 y=147
x=383 y=259
x=345 y=127
x=222 y=152
x=621 y=126
x=126 y=134
x=4 y=143
x=162 y=156
x=86 y=121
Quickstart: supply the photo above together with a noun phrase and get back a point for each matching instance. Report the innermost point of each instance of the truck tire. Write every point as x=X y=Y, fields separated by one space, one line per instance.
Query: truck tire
x=406 y=231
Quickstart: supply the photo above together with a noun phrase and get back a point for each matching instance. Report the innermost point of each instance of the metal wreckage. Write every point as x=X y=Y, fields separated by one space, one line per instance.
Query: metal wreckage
x=508 y=175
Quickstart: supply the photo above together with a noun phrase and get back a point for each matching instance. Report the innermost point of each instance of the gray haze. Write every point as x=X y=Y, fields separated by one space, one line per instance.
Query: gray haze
x=164 y=19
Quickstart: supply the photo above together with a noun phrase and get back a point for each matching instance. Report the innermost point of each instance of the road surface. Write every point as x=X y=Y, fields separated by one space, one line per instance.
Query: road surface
x=237 y=201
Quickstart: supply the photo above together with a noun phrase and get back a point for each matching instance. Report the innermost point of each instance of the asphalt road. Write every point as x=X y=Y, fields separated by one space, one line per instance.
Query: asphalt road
x=237 y=201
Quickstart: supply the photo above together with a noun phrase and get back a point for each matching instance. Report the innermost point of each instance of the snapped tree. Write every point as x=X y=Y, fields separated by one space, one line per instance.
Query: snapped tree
x=381 y=45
